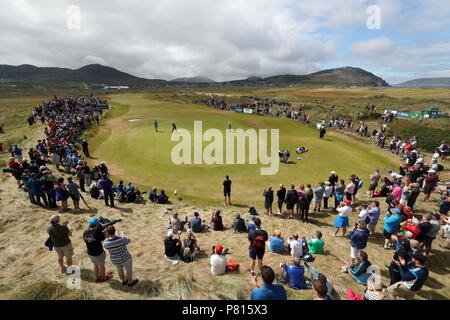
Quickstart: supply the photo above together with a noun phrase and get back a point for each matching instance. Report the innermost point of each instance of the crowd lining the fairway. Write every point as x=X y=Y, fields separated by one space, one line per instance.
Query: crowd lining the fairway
x=410 y=239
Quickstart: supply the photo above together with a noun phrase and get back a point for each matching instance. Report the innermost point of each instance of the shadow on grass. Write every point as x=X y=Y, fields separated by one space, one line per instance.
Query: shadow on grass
x=240 y=205
x=122 y=209
x=431 y=295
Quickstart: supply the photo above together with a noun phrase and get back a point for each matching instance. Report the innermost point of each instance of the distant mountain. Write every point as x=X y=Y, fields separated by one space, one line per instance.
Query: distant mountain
x=346 y=76
x=193 y=80
x=426 y=82
x=95 y=75
x=90 y=75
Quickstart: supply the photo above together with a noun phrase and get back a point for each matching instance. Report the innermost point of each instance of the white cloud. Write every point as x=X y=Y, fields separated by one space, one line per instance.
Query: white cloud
x=373 y=47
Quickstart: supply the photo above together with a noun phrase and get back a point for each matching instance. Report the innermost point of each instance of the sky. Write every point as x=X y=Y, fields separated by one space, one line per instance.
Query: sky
x=230 y=39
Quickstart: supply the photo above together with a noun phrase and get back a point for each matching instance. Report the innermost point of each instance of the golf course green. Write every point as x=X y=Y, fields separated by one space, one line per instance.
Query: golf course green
x=135 y=152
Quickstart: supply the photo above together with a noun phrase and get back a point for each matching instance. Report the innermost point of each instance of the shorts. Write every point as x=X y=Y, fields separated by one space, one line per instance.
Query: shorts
x=317 y=201
x=267 y=204
x=371 y=227
x=428 y=241
x=399 y=290
x=258 y=253
x=98 y=260
x=354 y=252
x=290 y=205
x=387 y=235
x=75 y=197
x=427 y=190
x=66 y=251
x=226 y=194
x=372 y=187
x=128 y=265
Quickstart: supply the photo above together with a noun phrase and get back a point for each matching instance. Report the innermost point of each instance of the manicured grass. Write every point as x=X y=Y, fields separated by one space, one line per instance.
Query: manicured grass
x=144 y=156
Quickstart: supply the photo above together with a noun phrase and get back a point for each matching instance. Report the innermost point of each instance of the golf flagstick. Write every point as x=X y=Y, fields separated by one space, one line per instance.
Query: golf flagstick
x=82 y=198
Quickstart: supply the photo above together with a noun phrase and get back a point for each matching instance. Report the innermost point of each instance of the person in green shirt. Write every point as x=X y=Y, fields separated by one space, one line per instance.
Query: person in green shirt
x=316 y=244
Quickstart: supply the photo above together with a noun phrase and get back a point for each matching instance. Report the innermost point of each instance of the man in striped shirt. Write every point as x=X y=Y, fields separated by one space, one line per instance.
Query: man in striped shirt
x=119 y=255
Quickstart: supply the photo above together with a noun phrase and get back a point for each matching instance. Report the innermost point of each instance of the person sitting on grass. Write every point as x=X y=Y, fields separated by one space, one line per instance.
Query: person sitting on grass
x=295 y=246
x=162 y=198
x=276 y=242
x=412 y=279
x=191 y=247
x=94 y=191
x=119 y=255
x=315 y=244
x=176 y=224
x=196 y=224
x=216 y=221
x=152 y=195
x=316 y=275
x=239 y=224
x=320 y=290
x=294 y=274
x=218 y=261
x=267 y=291
x=359 y=269
x=172 y=247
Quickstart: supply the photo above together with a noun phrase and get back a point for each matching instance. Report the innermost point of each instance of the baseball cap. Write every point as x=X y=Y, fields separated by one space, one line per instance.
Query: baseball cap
x=418 y=256
x=396 y=210
x=408 y=234
x=93 y=222
x=219 y=249
x=170 y=234
x=436 y=215
x=55 y=218
x=347 y=201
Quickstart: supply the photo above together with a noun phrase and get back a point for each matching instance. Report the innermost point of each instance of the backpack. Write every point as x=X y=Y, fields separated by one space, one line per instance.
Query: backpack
x=232 y=265
x=440 y=167
x=308 y=257
x=259 y=241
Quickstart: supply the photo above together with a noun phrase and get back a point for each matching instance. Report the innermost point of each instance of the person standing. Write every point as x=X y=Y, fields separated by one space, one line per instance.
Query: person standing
x=174 y=127
x=227 y=190
x=358 y=240
x=341 y=220
x=430 y=183
x=155 y=124
x=48 y=184
x=327 y=194
x=281 y=194
x=318 y=196
x=339 y=194
x=268 y=199
x=93 y=238
x=374 y=178
x=119 y=255
x=334 y=179
x=373 y=214
x=59 y=234
x=257 y=238
x=108 y=192
x=85 y=148
x=350 y=189
x=291 y=200
x=72 y=187
x=391 y=225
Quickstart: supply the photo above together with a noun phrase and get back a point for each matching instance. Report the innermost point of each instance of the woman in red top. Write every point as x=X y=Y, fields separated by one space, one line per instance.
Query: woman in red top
x=411 y=225
x=12 y=164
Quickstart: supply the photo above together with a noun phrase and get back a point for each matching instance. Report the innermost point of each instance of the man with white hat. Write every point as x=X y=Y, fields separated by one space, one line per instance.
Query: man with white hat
x=333 y=179
x=59 y=234
x=327 y=194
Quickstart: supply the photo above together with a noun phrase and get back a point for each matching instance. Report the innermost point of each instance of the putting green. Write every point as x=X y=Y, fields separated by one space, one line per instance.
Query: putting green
x=135 y=152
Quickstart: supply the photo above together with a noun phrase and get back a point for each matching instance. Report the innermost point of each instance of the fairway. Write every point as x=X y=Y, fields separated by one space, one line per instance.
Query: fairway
x=135 y=152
